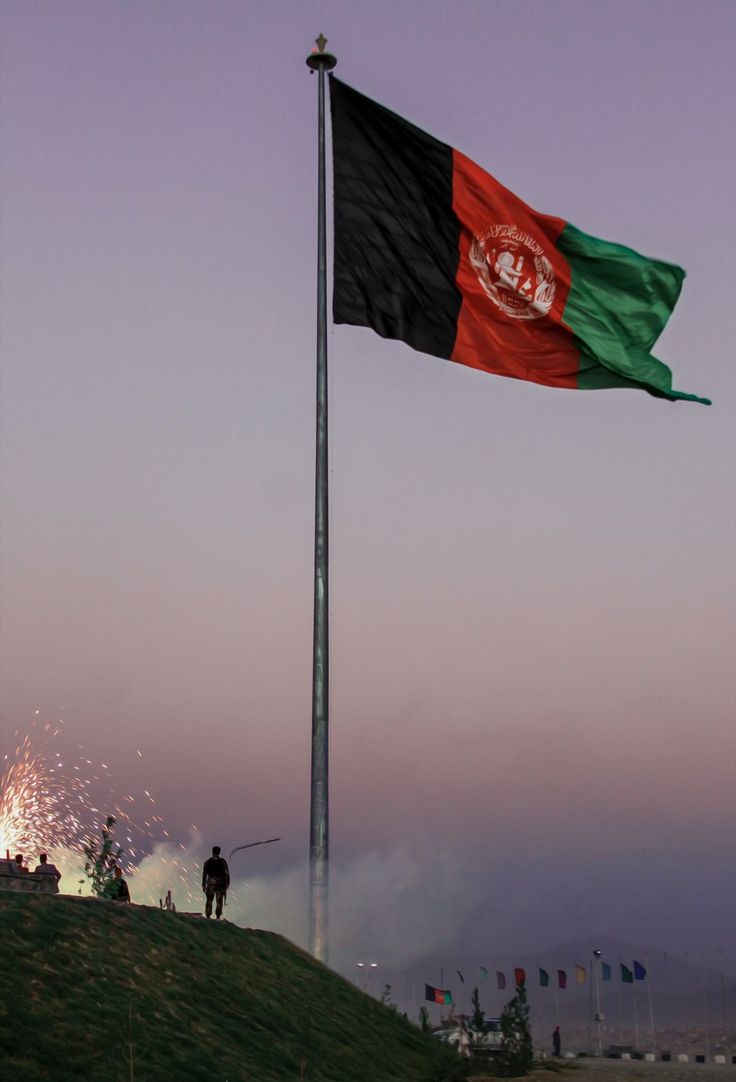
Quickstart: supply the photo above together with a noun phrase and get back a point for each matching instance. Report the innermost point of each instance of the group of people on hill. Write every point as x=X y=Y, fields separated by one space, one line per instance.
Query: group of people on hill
x=118 y=888
x=215 y=879
x=44 y=866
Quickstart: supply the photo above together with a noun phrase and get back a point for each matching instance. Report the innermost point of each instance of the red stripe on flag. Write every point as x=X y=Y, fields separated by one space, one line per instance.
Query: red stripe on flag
x=514 y=283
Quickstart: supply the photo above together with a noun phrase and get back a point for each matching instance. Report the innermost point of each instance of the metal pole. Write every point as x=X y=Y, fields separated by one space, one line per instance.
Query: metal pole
x=598 y=1014
x=320 y=61
x=651 y=1008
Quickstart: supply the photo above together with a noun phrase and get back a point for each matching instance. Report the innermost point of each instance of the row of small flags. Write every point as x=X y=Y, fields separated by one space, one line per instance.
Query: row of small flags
x=628 y=976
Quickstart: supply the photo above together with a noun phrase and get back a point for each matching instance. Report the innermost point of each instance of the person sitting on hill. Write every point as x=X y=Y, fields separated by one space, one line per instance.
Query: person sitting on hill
x=45 y=868
x=119 y=890
x=18 y=867
x=215 y=881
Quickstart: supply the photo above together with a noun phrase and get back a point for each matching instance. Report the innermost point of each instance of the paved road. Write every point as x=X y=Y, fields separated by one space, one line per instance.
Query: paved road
x=634 y=1071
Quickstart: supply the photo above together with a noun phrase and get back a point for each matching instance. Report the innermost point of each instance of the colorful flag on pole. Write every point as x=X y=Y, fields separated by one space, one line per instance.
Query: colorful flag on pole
x=605 y=971
x=580 y=974
x=500 y=980
x=626 y=975
x=433 y=251
x=483 y=973
x=437 y=995
x=462 y=979
x=561 y=978
x=543 y=978
x=639 y=971
x=519 y=977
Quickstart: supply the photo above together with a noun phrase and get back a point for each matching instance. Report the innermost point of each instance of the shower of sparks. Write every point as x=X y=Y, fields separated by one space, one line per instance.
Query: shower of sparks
x=40 y=808
x=50 y=801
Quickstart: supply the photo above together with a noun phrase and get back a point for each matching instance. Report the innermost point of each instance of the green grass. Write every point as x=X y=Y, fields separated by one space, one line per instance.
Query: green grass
x=86 y=986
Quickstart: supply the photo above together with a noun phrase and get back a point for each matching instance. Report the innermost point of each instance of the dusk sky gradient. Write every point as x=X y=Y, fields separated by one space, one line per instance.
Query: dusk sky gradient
x=533 y=591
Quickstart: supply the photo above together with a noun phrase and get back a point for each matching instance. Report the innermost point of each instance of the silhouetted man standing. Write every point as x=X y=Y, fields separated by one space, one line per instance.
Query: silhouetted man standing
x=215 y=881
x=557 y=1042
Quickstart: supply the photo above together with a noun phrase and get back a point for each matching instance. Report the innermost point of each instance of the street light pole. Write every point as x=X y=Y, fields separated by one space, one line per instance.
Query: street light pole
x=598 y=1016
x=251 y=845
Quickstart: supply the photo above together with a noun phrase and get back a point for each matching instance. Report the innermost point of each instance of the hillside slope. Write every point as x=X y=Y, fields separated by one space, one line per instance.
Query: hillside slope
x=86 y=986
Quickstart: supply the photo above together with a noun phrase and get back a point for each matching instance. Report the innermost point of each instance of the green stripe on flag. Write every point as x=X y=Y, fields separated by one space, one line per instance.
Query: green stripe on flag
x=618 y=305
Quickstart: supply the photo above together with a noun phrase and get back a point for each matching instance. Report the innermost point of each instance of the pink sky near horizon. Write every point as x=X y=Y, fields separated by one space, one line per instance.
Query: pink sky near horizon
x=533 y=591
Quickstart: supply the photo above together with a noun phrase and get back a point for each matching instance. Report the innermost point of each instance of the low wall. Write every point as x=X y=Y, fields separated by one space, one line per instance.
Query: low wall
x=27 y=883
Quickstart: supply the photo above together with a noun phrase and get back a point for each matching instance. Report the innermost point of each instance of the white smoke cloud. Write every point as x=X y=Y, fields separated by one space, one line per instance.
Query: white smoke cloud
x=393 y=907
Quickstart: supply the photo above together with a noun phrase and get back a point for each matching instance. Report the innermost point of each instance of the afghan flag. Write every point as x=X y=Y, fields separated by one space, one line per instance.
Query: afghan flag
x=626 y=975
x=500 y=980
x=561 y=978
x=605 y=971
x=437 y=995
x=639 y=971
x=433 y=251
x=543 y=978
x=580 y=974
x=519 y=977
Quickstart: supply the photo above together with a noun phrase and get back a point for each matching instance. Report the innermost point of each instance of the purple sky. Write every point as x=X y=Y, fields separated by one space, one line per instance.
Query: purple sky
x=533 y=591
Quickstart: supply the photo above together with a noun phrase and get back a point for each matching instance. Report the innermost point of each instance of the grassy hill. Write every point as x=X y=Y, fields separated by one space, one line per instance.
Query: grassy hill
x=95 y=991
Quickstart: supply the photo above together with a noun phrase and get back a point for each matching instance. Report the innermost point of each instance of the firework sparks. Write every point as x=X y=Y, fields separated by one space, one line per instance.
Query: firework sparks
x=48 y=803
x=40 y=808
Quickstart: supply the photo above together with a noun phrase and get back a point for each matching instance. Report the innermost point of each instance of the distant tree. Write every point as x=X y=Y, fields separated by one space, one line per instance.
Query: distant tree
x=424 y=1020
x=517 y=1052
x=478 y=1016
x=101 y=856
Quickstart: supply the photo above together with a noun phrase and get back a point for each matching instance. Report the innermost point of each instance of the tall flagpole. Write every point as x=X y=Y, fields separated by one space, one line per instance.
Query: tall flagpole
x=320 y=61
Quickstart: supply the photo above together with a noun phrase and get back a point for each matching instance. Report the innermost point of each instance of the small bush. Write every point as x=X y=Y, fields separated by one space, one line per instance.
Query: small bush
x=517 y=1052
x=100 y=860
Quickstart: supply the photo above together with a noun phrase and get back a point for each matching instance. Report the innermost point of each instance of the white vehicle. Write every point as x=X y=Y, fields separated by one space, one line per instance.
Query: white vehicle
x=460 y=1034
x=488 y=1041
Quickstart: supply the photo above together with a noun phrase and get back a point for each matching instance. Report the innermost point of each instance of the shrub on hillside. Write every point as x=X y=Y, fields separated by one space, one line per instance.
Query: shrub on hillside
x=517 y=1052
x=100 y=860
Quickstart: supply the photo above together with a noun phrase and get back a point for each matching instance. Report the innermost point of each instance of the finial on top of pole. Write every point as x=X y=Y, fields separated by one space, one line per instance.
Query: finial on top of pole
x=318 y=58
